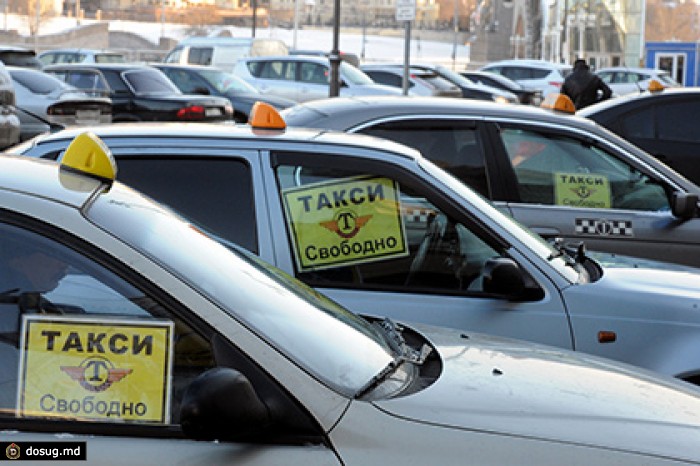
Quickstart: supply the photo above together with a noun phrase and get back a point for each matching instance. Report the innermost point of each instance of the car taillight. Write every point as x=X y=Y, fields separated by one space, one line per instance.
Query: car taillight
x=193 y=112
x=556 y=83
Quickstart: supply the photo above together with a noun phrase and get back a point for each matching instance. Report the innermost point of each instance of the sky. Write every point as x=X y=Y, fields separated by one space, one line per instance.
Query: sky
x=377 y=48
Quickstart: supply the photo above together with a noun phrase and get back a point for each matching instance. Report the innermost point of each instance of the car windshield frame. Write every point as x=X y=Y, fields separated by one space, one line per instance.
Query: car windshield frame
x=339 y=348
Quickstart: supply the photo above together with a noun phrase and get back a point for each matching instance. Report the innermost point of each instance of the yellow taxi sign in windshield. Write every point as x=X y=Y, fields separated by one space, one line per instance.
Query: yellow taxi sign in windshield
x=558 y=102
x=655 y=86
x=89 y=155
x=265 y=116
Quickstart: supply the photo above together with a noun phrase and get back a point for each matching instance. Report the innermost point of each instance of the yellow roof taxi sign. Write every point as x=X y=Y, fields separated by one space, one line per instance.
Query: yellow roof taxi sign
x=83 y=368
x=344 y=222
x=89 y=155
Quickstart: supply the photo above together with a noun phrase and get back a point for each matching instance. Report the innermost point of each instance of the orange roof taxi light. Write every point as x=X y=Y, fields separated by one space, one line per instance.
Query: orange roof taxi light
x=265 y=116
x=558 y=103
x=655 y=86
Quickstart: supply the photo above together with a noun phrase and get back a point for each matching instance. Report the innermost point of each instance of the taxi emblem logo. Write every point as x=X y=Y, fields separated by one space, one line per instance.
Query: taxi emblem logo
x=583 y=192
x=346 y=224
x=96 y=374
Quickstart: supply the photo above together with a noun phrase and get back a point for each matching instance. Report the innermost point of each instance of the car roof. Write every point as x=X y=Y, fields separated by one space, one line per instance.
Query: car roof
x=378 y=106
x=253 y=137
x=668 y=92
x=46 y=180
x=633 y=69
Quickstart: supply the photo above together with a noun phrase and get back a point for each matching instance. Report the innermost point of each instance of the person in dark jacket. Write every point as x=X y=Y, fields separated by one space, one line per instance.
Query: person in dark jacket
x=583 y=87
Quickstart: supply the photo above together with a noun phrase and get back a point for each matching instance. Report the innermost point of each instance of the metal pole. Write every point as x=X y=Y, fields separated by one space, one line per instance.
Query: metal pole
x=455 y=24
x=162 y=18
x=255 y=16
x=406 y=56
x=296 y=23
x=334 y=88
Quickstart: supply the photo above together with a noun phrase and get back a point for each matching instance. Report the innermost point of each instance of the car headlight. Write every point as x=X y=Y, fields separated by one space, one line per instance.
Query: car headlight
x=500 y=99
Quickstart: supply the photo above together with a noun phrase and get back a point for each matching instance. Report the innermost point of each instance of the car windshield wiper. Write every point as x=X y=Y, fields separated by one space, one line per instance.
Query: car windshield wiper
x=402 y=353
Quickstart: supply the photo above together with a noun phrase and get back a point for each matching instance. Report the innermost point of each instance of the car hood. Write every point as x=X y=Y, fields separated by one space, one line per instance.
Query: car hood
x=493 y=384
x=640 y=293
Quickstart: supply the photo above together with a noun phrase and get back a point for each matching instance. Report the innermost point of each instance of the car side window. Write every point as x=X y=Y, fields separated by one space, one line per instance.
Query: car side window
x=640 y=123
x=80 y=343
x=313 y=73
x=389 y=79
x=200 y=55
x=455 y=146
x=216 y=193
x=559 y=170
x=363 y=229
x=675 y=125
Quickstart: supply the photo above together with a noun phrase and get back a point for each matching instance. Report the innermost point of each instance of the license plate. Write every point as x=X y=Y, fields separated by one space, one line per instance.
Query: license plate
x=87 y=116
x=211 y=112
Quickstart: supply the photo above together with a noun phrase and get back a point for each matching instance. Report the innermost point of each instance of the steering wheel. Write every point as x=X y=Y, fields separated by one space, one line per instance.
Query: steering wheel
x=439 y=260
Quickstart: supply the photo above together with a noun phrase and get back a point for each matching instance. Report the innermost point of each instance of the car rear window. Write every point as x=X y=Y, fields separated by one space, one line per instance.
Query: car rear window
x=38 y=83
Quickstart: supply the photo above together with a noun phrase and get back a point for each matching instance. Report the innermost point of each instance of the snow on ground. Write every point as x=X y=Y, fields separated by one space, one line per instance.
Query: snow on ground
x=377 y=48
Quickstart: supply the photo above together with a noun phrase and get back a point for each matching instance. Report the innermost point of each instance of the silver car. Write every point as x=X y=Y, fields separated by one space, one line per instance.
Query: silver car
x=385 y=232
x=303 y=78
x=141 y=341
x=561 y=175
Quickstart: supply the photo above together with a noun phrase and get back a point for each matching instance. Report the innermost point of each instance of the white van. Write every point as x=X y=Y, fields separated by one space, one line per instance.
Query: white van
x=223 y=52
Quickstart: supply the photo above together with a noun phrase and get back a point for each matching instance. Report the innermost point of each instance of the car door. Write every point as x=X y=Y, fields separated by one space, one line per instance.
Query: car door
x=380 y=241
x=313 y=81
x=95 y=361
x=577 y=188
x=661 y=127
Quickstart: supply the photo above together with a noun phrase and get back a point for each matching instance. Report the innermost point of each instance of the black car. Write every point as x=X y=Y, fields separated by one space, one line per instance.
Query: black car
x=206 y=80
x=663 y=123
x=526 y=96
x=142 y=93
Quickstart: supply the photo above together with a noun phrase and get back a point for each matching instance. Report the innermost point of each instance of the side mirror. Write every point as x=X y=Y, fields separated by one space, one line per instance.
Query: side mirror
x=221 y=404
x=684 y=205
x=502 y=276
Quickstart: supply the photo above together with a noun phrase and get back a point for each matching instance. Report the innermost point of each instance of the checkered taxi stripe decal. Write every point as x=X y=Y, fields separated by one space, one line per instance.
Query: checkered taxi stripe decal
x=604 y=227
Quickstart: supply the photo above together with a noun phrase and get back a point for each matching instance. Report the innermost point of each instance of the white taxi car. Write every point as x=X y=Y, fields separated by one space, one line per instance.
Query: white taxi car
x=130 y=337
x=385 y=232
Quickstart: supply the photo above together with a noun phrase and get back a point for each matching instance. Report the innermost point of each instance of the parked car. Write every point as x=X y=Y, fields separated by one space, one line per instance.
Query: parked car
x=525 y=96
x=80 y=55
x=222 y=52
x=539 y=75
x=142 y=93
x=304 y=77
x=386 y=233
x=206 y=80
x=469 y=89
x=44 y=100
x=624 y=80
x=9 y=119
x=12 y=55
x=420 y=81
x=155 y=343
x=627 y=203
x=661 y=123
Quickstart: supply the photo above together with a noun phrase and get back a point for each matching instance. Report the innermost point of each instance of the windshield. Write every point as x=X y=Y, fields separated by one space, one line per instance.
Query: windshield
x=453 y=76
x=149 y=81
x=226 y=82
x=353 y=75
x=338 y=347
x=534 y=242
